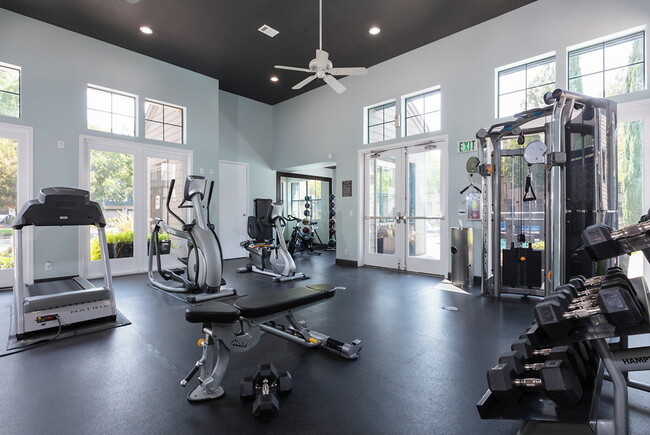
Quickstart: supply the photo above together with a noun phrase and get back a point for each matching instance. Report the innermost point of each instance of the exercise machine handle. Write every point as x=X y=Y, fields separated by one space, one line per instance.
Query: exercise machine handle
x=209 y=199
x=169 y=198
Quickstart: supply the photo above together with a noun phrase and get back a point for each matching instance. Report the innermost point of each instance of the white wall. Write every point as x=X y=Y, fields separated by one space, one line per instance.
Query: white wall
x=463 y=65
x=246 y=136
x=56 y=67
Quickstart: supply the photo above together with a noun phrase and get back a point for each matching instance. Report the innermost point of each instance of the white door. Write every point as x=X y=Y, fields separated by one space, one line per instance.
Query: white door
x=130 y=180
x=15 y=190
x=233 y=207
x=405 y=207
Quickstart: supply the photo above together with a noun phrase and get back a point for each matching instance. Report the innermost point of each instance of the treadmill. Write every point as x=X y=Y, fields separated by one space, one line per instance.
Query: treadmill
x=62 y=301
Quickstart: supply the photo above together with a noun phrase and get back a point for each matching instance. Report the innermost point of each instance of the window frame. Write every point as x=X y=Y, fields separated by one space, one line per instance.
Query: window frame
x=116 y=92
x=526 y=64
x=366 y=121
x=601 y=44
x=174 y=106
x=20 y=84
x=404 y=115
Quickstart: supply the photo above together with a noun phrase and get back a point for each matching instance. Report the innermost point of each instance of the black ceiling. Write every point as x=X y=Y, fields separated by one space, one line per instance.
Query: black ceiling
x=219 y=38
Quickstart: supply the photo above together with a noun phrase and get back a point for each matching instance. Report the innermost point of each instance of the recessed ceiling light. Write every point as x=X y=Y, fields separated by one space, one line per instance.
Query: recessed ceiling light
x=274 y=78
x=374 y=30
x=146 y=30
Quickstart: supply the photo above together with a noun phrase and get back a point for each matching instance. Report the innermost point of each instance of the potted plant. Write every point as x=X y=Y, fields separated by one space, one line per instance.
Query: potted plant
x=164 y=242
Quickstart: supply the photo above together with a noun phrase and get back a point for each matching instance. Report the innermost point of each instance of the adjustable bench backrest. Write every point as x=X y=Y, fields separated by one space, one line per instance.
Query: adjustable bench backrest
x=259 y=306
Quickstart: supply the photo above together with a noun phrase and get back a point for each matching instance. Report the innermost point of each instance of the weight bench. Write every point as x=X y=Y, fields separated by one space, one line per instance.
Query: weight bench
x=238 y=328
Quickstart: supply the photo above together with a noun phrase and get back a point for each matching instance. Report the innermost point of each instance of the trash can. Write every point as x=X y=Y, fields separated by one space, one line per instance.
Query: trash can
x=461 y=257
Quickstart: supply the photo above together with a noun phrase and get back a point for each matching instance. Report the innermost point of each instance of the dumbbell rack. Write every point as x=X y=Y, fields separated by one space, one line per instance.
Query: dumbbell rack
x=596 y=330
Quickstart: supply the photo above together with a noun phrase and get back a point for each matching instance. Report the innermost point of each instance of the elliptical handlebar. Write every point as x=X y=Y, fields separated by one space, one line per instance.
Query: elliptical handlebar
x=209 y=200
x=169 y=198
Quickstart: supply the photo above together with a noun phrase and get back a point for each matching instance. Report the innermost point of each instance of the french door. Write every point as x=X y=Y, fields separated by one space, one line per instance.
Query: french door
x=633 y=138
x=405 y=208
x=131 y=182
x=15 y=190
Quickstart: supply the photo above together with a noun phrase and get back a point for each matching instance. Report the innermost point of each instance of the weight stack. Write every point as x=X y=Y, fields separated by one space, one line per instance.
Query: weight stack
x=522 y=268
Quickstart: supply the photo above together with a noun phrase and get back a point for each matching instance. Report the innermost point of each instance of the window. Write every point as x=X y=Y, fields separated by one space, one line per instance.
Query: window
x=609 y=68
x=9 y=91
x=163 y=122
x=523 y=87
x=422 y=112
x=381 y=122
x=111 y=111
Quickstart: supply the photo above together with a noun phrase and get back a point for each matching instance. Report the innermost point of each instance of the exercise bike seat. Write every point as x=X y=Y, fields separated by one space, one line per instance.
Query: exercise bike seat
x=212 y=312
x=282 y=300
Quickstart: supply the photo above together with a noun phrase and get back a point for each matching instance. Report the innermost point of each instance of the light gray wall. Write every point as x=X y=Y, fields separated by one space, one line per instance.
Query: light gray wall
x=464 y=66
x=246 y=136
x=56 y=67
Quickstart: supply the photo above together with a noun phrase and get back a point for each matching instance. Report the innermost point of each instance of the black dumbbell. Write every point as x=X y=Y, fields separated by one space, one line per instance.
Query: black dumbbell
x=616 y=303
x=536 y=335
x=266 y=406
x=565 y=353
x=556 y=378
x=285 y=384
x=524 y=347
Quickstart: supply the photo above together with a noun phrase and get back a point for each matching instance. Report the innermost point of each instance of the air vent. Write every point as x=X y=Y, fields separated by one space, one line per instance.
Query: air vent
x=268 y=30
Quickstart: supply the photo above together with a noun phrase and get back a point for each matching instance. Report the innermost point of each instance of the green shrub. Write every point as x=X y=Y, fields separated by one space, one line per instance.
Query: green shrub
x=7 y=259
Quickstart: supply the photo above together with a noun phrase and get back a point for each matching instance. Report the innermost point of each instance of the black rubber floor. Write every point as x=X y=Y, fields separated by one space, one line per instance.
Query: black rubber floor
x=422 y=368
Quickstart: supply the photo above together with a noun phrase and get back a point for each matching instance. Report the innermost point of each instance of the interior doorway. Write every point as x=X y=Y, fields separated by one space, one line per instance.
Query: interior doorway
x=310 y=210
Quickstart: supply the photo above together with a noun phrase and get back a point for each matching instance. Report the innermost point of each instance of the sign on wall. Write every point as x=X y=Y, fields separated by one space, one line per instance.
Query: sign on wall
x=346 y=188
x=466 y=146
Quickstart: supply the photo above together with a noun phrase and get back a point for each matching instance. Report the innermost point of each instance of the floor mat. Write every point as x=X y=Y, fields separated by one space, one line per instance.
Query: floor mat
x=14 y=345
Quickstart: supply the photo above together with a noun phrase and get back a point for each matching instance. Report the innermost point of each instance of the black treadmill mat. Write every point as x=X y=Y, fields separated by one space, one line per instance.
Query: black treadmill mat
x=45 y=288
x=14 y=345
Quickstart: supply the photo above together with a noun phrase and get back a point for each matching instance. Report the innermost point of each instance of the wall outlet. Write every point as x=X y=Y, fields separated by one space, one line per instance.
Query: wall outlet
x=60 y=143
x=201 y=171
x=49 y=265
x=350 y=212
x=211 y=171
x=345 y=251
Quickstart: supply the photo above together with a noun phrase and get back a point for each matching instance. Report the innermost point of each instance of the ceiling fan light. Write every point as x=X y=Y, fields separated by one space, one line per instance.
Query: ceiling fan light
x=146 y=30
x=274 y=79
x=374 y=30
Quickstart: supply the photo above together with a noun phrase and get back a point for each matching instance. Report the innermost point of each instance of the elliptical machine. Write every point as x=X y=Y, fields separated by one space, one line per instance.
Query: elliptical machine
x=267 y=250
x=203 y=266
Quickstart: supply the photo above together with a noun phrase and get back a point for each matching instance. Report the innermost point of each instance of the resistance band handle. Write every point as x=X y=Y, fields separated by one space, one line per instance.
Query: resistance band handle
x=529 y=190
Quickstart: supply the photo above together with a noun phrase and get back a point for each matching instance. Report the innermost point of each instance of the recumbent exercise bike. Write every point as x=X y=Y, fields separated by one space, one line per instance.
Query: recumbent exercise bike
x=267 y=250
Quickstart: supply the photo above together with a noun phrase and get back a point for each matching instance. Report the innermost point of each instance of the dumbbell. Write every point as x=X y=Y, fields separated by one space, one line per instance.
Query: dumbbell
x=536 y=335
x=616 y=303
x=262 y=388
x=556 y=378
x=566 y=353
x=525 y=348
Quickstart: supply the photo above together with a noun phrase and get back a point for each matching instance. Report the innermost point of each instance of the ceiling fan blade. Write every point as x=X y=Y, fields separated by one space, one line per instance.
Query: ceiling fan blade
x=304 y=82
x=334 y=84
x=293 y=68
x=356 y=71
x=322 y=56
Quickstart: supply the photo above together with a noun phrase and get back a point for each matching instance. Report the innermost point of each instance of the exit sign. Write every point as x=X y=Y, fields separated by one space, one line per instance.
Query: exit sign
x=467 y=146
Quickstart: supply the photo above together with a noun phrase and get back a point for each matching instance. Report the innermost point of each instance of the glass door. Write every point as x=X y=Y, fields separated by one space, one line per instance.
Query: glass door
x=112 y=186
x=161 y=171
x=634 y=197
x=405 y=206
x=131 y=182
x=384 y=209
x=425 y=206
x=15 y=189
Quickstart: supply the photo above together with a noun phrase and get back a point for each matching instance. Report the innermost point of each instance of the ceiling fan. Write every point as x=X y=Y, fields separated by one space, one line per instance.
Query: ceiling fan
x=322 y=67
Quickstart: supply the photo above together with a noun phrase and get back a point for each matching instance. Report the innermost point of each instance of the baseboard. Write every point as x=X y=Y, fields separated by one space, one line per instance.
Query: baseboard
x=349 y=263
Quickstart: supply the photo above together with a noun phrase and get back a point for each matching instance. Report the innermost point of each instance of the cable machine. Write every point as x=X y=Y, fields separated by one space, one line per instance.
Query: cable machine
x=547 y=175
